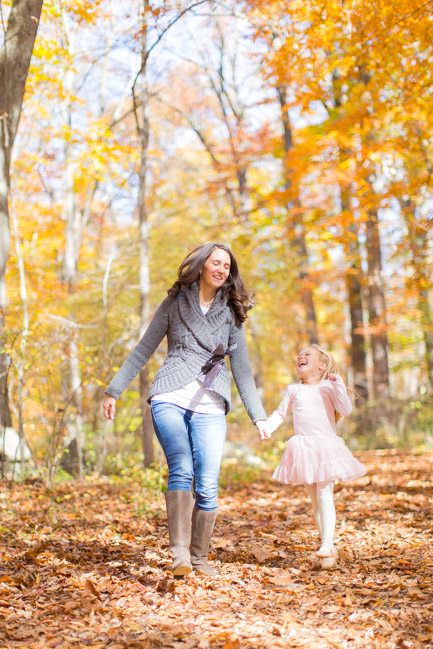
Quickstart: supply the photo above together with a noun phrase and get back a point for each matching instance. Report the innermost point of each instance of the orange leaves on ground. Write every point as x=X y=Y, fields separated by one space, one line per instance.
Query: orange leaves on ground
x=78 y=575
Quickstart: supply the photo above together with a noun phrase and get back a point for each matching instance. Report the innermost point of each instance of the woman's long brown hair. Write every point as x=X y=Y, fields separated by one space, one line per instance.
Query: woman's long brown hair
x=233 y=290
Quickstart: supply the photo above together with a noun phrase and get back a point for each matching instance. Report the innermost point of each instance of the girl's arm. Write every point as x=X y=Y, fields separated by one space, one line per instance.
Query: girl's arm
x=339 y=396
x=139 y=356
x=279 y=415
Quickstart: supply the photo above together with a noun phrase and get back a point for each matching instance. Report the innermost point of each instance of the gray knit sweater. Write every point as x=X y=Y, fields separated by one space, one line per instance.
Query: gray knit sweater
x=192 y=337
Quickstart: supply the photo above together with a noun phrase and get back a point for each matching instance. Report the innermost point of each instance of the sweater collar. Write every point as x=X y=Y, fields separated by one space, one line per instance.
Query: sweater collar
x=205 y=328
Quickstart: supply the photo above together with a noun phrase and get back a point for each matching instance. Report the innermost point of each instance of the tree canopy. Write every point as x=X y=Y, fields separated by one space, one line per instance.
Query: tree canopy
x=299 y=134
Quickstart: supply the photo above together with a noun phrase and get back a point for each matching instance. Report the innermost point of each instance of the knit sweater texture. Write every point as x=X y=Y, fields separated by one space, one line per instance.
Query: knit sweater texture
x=191 y=338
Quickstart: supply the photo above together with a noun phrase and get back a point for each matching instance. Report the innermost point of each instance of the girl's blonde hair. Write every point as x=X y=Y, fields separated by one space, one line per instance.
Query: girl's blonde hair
x=331 y=367
x=325 y=357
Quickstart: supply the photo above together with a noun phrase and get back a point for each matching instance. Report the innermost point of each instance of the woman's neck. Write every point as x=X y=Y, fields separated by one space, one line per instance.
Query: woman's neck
x=206 y=295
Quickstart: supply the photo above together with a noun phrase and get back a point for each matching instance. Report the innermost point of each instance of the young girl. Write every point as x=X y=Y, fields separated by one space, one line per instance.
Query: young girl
x=315 y=455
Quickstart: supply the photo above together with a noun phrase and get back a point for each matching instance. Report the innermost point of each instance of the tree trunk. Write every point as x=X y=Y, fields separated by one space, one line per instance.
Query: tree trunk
x=419 y=247
x=102 y=455
x=73 y=226
x=354 y=275
x=354 y=292
x=427 y=328
x=25 y=330
x=377 y=309
x=72 y=214
x=144 y=227
x=72 y=459
x=296 y=233
x=14 y=66
x=357 y=338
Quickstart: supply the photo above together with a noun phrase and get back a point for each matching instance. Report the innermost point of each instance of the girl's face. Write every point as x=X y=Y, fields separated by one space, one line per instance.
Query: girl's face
x=309 y=365
x=216 y=269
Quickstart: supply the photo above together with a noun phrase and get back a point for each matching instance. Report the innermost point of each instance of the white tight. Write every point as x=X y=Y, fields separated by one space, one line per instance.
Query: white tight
x=322 y=498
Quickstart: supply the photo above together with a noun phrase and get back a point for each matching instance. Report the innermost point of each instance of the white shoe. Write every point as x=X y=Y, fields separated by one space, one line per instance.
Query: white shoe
x=329 y=562
x=325 y=551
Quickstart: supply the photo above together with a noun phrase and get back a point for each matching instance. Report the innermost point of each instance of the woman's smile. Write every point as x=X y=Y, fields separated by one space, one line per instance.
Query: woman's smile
x=216 y=269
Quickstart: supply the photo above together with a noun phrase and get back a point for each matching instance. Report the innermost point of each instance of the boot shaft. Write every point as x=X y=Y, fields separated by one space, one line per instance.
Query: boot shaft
x=202 y=528
x=179 y=512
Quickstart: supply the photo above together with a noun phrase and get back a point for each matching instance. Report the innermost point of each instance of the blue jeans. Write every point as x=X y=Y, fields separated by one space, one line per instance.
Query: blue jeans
x=193 y=445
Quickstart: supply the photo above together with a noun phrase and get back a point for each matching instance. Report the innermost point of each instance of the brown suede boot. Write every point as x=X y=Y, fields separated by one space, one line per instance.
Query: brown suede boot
x=179 y=509
x=202 y=527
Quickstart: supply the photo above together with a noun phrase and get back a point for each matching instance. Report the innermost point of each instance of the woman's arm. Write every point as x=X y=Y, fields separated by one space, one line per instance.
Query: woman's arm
x=139 y=356
x=243 y=376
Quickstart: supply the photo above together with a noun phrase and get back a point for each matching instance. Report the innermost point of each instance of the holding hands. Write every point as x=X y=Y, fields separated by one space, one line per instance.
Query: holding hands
x=263 y=429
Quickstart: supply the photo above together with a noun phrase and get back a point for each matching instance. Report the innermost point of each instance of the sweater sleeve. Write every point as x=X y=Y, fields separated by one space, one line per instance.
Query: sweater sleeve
x=340 y=398
x=139 y=356
x=243 y=376
x=279 y=415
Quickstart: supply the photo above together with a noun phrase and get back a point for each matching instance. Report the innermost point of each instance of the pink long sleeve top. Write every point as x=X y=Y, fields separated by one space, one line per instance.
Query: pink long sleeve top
x=313 y=407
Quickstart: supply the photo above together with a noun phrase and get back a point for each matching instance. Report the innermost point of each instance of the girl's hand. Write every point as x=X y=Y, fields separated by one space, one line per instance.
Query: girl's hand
x=109 y=407
x=332 y=377
x=263 y=429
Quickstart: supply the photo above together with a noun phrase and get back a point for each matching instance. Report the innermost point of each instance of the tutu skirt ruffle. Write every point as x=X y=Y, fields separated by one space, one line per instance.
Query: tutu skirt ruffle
x=317 y=458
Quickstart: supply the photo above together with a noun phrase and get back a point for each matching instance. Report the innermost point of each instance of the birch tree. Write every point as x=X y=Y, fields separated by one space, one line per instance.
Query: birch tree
x=141 y=114
x=143 y=132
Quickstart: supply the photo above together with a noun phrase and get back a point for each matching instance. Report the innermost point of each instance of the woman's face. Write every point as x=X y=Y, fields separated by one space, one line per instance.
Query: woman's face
x=216 y=269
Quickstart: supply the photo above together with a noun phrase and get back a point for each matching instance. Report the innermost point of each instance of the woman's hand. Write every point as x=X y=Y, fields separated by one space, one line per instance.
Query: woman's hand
x=263 y=429
x=109 y=407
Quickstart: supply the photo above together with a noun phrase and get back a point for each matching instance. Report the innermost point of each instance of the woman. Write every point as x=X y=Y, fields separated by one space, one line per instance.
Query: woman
x=202 y=318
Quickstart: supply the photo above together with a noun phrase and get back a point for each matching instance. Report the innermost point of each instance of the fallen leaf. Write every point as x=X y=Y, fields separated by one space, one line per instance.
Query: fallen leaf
x=91 y=589
x=232 y=644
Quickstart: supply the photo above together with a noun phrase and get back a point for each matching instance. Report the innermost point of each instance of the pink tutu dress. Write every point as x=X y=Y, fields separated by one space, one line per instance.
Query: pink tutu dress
x=315 y=453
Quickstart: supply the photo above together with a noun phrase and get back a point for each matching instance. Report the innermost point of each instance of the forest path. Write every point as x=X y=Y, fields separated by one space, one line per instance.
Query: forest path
x=88 y=566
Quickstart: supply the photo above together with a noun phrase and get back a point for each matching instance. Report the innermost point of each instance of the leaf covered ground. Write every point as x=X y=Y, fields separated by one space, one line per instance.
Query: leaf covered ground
x=87 y=565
